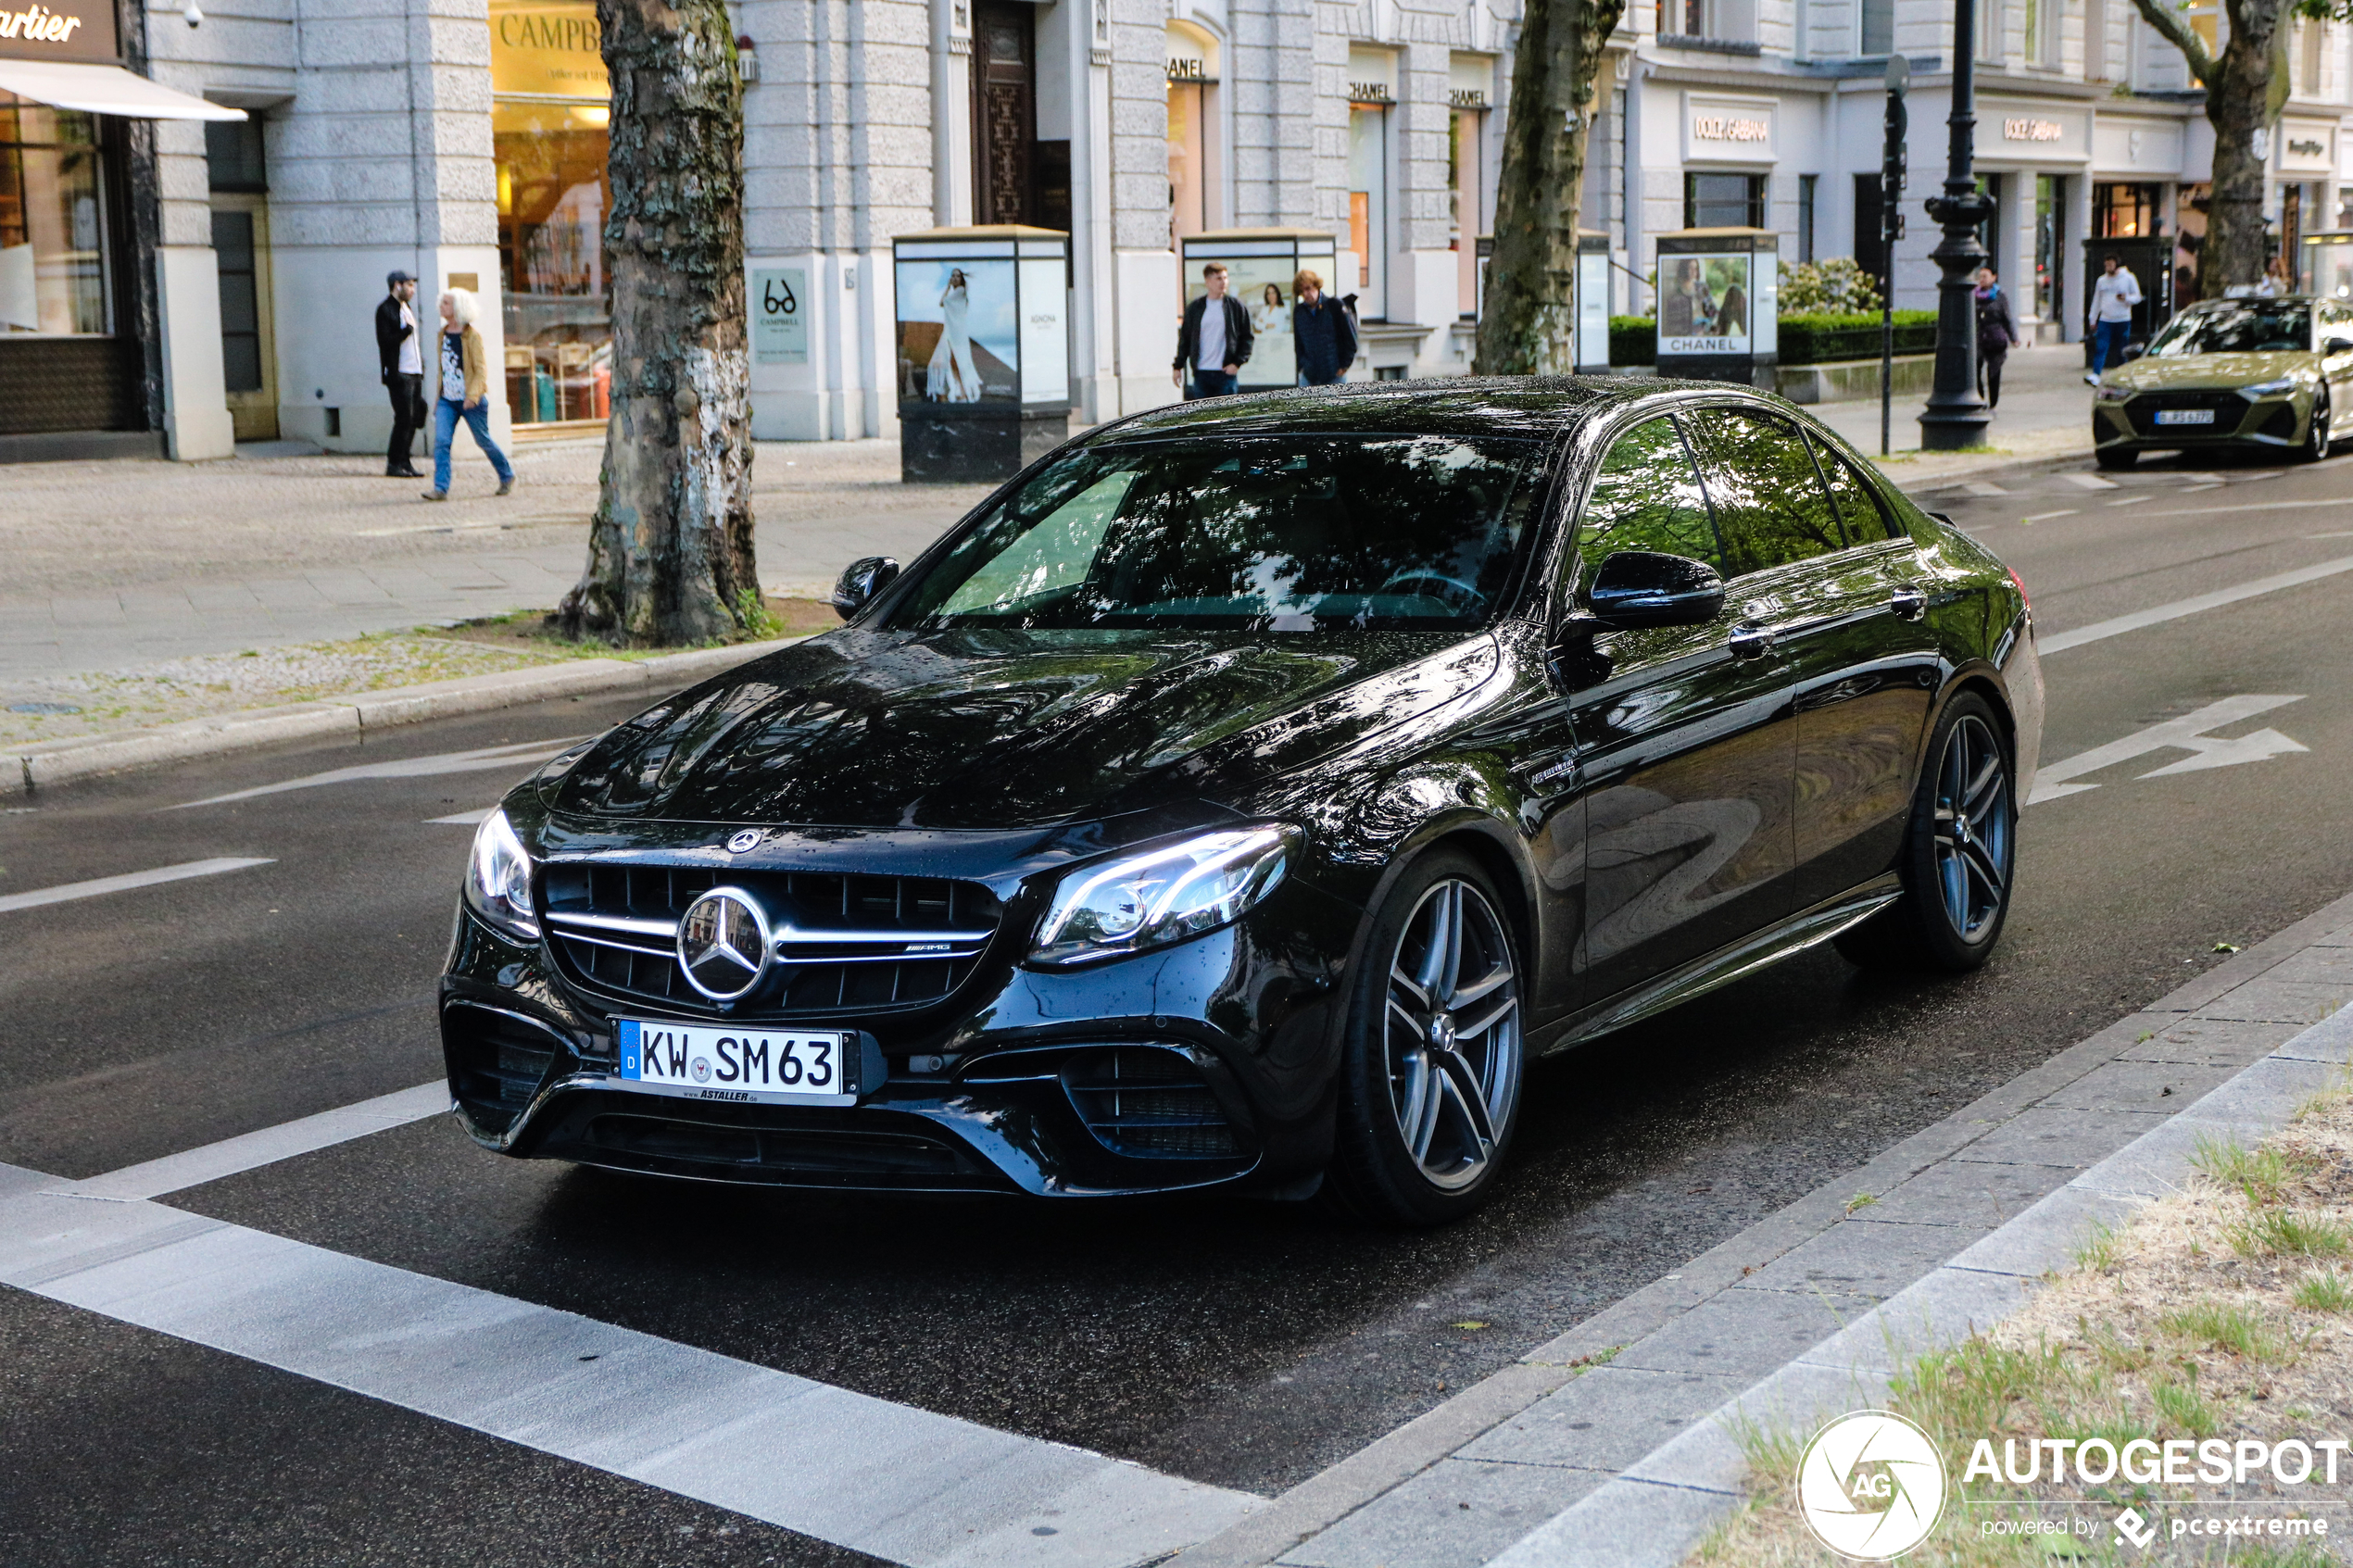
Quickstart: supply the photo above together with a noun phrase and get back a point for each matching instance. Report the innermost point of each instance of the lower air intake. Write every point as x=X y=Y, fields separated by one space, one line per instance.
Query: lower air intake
x=497 y=1061
x=1148 y=1102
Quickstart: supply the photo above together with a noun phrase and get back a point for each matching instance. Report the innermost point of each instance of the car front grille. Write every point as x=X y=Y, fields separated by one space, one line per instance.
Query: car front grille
x=1142 y=1101
x=799 y=1156
x=2229 y=409
x=844 y=945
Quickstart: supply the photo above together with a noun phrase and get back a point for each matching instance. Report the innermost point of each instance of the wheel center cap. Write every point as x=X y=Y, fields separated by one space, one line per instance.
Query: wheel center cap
x=1960 y=829
x=1442 y=1032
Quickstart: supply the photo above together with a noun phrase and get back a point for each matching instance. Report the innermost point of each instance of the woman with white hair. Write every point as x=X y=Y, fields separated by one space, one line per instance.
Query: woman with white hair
x=464 y=385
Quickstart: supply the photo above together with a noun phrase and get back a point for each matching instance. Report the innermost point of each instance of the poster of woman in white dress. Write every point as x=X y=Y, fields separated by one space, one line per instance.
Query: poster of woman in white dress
x=958 y=331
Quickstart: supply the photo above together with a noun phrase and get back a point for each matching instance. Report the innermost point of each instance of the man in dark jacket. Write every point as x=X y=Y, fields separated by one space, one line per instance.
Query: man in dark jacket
x=1321 y=338
x=1214 y=347
x=1996 y=332
x=400 y=358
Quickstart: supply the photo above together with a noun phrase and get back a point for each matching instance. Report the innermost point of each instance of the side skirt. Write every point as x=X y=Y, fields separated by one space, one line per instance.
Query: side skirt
x=1807 y=928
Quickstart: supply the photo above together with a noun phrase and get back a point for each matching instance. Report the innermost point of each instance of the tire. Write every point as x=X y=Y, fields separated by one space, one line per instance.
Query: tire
x=1956 y=885
x=2319 y=433
x=2113 y=457
x=1430 y=1071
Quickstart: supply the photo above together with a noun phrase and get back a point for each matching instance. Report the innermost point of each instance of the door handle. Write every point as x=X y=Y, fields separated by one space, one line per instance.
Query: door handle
x=1908 y=601
x=1751 y=642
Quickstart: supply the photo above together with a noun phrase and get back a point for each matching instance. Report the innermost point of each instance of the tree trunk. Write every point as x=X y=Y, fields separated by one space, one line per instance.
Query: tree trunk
x=2239 y=102
x=670 y=551
x=1529 y=324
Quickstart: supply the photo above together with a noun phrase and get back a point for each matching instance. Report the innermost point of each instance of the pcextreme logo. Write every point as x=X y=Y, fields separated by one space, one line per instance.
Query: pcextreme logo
x=1870 y=1485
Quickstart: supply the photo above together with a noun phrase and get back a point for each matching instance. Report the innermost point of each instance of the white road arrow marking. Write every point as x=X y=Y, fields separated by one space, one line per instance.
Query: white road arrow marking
x=2186 y=734
x=514 y=756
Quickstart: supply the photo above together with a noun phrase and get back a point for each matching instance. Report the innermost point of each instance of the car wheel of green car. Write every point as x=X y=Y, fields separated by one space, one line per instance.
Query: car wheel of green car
x=2317 y=433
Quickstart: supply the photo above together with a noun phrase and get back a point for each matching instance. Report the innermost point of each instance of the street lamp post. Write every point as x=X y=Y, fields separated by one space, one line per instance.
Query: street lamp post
x=1955 y=416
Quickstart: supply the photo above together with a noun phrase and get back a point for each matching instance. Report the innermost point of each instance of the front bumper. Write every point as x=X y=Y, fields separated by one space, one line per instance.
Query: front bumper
x=1211 y=1063
x=2131 y=425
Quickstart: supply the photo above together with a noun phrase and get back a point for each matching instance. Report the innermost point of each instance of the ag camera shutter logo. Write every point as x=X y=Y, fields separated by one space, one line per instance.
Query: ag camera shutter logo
x=1870 y=1485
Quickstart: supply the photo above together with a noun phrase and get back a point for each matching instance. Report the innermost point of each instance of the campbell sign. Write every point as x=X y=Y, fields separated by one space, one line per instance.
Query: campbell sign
x=71 y=30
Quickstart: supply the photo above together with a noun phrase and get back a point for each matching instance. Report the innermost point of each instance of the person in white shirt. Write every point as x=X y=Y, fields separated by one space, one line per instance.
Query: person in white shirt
x=2114 y=293
x=1214 y=339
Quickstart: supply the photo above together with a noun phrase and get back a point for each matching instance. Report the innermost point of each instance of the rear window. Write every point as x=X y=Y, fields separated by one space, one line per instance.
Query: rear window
x=1287 y=533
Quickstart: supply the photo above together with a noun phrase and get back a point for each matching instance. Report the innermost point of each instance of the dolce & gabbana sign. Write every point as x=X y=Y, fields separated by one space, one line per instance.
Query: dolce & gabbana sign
x=2033 y=131
x=1721 y=130
x=70 y=30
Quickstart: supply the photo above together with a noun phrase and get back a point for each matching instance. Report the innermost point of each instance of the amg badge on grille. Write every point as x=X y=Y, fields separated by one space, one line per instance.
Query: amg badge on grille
x=724 y=944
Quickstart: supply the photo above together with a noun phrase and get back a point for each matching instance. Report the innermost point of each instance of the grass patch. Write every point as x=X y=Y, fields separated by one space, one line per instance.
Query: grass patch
x=2185 y=1409
x=2261 y=1175
x=2102 y=1250
x=2327 y=1290
x=2226 y=1327
x=2265 y=1231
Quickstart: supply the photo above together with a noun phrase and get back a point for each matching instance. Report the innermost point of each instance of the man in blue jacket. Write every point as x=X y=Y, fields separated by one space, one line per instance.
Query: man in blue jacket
x=1322 y=339
x=1215 y=346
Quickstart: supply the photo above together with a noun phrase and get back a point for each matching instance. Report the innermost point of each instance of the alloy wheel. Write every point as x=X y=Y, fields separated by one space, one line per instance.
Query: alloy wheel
x=2319 y=430
x=1453 y=1034
x=1972 y=832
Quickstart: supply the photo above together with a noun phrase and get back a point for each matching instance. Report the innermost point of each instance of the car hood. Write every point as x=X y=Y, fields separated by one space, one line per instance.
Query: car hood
x=1005 y=729
x=2207 y=371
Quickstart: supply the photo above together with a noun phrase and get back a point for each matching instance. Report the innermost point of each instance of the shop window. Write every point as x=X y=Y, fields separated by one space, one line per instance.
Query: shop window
x=2050 y=247
x=1805 y=189
x=1463 y=220
x=1193 y=132
x=1878 y=28
x=1723 y=201
x=53 y=224
x=548 y=133
x=1368 y=206
x=2125 y=212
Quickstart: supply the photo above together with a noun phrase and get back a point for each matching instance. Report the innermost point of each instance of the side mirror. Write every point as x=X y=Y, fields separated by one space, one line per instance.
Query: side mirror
x=2132 y=351
x=860 y=581
x=1644 y=589
x=2337 y=346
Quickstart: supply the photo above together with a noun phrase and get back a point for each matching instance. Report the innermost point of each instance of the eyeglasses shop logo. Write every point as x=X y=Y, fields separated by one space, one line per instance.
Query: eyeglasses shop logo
x=1871 y=1485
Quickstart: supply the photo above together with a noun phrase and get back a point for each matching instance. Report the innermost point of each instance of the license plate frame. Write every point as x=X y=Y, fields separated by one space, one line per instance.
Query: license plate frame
x=739 y=1064
x=2185 y=416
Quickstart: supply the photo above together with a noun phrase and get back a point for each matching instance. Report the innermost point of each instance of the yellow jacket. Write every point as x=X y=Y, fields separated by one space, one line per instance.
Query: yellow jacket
x=469 y=355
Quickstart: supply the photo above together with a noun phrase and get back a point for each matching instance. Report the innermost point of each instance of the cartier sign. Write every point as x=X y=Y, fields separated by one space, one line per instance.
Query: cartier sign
x=70 y=30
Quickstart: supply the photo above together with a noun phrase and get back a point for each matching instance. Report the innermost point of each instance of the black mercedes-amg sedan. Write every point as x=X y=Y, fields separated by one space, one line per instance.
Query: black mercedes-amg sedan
x=1245 y=792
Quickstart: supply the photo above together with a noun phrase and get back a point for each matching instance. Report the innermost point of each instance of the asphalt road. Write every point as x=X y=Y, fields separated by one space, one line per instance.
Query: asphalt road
x=1247 y=1345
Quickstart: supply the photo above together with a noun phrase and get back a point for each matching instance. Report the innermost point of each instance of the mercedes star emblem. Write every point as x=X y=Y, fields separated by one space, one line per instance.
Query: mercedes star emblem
x=747 y=838
x=722 y=944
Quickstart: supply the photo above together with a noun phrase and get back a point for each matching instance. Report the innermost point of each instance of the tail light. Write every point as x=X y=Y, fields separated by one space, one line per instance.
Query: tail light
x=2022 y=588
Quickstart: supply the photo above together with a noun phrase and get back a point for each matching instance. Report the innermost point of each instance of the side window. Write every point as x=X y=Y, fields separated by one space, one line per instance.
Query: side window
x=1866 y=522
x=1645 y=497
x=1771 y=506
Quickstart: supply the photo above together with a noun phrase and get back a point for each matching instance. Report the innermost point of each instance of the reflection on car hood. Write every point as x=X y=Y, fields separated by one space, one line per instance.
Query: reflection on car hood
x=2206 y=371
x=1006 y=729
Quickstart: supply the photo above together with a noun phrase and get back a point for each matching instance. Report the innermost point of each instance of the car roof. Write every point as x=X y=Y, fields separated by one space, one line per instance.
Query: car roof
x=1538 y=407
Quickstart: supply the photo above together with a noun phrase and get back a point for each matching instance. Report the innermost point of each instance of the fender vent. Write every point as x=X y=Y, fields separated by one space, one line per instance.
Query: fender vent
x=1148 y=1102
x=497 y=1061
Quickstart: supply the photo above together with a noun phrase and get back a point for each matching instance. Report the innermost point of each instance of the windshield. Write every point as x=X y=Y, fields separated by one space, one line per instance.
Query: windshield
x=1284 y=534
x=2240 y=326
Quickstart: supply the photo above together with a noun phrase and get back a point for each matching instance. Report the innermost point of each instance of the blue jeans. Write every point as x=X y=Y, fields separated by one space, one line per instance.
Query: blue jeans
x=447 y=412
x=1209 y=383
x=2108 y=342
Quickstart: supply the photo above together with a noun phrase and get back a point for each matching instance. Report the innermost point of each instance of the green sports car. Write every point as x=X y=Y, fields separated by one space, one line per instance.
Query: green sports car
x=2239 y=372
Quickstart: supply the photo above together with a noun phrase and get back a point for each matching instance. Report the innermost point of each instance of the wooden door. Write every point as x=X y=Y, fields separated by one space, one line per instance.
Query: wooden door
x=248 y=356
x=1004 y=112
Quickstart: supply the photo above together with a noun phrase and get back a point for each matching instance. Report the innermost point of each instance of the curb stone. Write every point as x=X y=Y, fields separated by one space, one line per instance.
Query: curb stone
x=28 y=769
x=1572 y=1463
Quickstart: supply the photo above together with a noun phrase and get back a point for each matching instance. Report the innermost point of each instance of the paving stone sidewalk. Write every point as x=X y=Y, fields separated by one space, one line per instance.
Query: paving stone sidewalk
x=1607 y=1446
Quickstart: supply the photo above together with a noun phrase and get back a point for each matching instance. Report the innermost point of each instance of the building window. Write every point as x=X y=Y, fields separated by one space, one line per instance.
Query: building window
x=1465 y=222
x=1878 y=28
x=1806 y=186
x=232 y=156
x=1368 y=206
x=2050 y=246
x=1723 y=201
x=549 y=116
x=1193 y=132
x=1870 y=250
x=53 y=223
x=2124 y=212
x=2042 y=32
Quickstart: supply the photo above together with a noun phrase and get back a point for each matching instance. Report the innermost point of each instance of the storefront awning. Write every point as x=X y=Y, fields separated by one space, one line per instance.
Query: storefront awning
x=104 y=90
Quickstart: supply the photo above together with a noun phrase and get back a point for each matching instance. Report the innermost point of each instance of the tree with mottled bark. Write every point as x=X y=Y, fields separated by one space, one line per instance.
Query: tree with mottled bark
x=2246 y=84
x=1529 y=325
x=669 y=550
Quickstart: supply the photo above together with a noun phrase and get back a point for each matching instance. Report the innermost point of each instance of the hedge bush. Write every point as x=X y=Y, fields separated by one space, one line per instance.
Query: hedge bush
x=1633 y=340
x=1819 y=339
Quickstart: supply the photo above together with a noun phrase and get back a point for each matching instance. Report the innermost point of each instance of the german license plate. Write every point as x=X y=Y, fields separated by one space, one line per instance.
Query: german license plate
x=2185 y=416
x=741 y=1065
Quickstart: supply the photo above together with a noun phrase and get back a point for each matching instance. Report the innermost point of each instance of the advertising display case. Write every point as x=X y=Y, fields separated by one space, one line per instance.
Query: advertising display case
x=1262 y=270
x=983 y=350
x=2325 y=268
x=1593 y=302
x=1718 y=305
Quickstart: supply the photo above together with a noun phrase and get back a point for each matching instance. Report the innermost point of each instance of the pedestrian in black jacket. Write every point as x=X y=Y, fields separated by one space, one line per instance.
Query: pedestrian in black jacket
x=400 y=356
x=1214 y=347
x=1321 y=339
x=1996 y=331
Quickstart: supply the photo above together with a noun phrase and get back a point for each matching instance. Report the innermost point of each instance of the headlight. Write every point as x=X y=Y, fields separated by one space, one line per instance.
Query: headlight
x=1162 y=896
x=2107 y=394
x=2268 y=388
x=499 y=879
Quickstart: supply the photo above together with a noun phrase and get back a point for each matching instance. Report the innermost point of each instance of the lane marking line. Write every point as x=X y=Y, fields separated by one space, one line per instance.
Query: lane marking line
x=2088 y=481
x=407 y=768
x=249 y=1151
x=460 y=819
x=2186 y=734
x=2099 y=631
x=2258 y=507
x=2045 y=517
x=124 y=883
x=928 y=1490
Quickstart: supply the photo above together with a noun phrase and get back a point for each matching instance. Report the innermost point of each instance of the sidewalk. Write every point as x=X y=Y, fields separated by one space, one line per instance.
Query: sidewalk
x=2046 y=415
x=1608 y=1444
